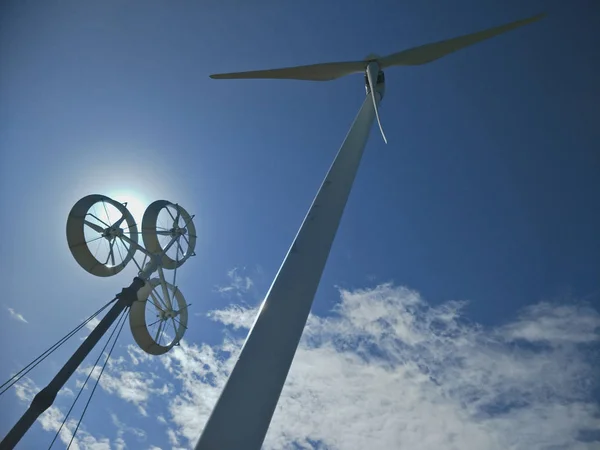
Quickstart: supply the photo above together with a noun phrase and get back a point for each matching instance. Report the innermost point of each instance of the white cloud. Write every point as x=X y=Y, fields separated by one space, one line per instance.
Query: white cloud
x=53 y=417
x=68 y=392
x=238 y=284
x=92 y=324
x=132 y=386
x=119 y=444
x=137 y=355
x=235 y=316
x=15 y=315
x=173 y=440
x=389 y=370
x=123 y=428
x=552 y=324
x=161 y=419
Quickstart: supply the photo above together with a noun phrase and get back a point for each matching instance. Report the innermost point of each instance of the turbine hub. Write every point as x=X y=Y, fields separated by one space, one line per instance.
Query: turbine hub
x=372 y=57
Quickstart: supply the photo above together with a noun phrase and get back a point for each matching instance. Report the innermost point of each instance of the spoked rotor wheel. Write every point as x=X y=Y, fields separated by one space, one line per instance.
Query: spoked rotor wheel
x=100 y=232
x=159 y=323
x=168 y=228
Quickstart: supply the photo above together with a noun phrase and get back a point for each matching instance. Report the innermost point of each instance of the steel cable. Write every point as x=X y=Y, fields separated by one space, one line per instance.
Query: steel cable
x=25 y=370
x=119 y=321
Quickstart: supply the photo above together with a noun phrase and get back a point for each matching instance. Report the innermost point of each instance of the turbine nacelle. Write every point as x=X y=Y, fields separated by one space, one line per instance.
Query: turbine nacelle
x=375 y=84
x=379 y=84
x=372 y=57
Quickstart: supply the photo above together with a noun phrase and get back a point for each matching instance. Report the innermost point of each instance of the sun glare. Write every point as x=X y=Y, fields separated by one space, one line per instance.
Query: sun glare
x=136 y=203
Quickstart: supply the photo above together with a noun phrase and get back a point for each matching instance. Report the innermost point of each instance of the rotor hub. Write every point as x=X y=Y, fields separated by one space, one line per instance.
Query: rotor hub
x=167 y=314
x=176 y=231
x=112 y=232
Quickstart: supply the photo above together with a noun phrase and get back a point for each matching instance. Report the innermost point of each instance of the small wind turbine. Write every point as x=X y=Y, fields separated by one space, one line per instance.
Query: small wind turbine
x=241 y=416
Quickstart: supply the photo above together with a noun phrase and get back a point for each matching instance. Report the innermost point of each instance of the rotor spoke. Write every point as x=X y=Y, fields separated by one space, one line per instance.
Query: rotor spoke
x=175 y=273
x=126 y=248
x=90 y=241
x=179 y=249
x=156 y=302
x=120 y=255
x=99 y=220
x=137 y=264
x=156 y=336
x=166 y=293
x=106 y=211
x=94 y=226
x=120 y=221
x=169 y=211
x=163 y=241
x=185 y=307
x=162 y=332
x=187 y=241
x=154 y=323
x=191 y=218
x=180 y=323
x=177 y=217
x=111 y=252
x=98 y=248
x=165 y=290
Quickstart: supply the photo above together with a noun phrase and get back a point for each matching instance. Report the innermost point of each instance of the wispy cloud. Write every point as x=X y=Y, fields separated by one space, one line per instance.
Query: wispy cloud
x=123 y=428
x=235 y=316
x=133 y=386
x=389 y=370
x=92 y=324
x=238 y=285
x=53 y=417
x=161 y=419
x=15 y=315
x=67 y=392
x=553 y=324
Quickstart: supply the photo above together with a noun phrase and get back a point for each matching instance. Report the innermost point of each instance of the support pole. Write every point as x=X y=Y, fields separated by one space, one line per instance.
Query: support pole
x=242 y=415
x=44 y=399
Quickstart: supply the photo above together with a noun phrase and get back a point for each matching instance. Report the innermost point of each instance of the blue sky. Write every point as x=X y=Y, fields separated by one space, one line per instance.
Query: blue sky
x=481 y=212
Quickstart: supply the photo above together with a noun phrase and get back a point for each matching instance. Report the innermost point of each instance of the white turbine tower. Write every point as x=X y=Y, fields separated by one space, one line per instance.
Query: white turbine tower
x=243 y=412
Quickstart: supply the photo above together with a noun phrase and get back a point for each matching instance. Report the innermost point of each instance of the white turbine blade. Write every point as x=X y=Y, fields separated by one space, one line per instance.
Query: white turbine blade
x=372 y=72
x=313 y=72
x=430 y=52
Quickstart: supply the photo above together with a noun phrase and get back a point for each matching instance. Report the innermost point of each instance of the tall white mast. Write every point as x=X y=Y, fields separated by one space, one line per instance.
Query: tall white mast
x=242 y=415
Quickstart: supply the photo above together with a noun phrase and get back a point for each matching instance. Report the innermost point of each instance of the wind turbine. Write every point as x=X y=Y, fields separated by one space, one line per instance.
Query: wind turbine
x=243 y=412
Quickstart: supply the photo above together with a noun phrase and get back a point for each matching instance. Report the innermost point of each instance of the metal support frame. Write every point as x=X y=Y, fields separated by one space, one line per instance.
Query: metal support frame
x=45 y=398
